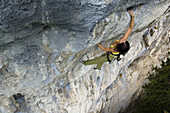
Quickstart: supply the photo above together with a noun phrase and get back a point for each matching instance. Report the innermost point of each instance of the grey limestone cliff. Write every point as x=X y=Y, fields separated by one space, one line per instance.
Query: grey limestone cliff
x=43 y=41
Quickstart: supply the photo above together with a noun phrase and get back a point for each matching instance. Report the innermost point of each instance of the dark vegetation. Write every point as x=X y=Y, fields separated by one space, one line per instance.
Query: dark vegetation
x=156 y=98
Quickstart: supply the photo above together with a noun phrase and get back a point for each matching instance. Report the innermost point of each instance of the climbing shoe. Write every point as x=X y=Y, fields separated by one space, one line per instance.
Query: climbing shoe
x=82 y=61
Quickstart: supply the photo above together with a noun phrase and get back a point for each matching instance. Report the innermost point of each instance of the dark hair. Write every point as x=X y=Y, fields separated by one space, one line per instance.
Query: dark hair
x=123 y=48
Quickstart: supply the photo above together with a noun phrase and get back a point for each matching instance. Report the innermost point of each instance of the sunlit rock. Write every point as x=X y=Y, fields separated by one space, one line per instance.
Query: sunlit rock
x=42 y=43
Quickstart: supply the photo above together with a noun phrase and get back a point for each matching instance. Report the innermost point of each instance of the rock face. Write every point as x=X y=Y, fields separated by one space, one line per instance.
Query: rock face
x=42 y=43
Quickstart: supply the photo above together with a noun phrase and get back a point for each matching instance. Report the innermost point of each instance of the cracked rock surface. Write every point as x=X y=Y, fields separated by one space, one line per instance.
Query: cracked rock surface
x=42 y=43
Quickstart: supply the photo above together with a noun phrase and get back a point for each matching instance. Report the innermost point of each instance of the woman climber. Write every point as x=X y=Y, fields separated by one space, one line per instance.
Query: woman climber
x=117 y=48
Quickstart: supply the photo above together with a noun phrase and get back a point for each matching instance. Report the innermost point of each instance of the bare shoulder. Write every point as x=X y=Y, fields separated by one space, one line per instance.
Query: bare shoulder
x=115 y=42
x=122 y=40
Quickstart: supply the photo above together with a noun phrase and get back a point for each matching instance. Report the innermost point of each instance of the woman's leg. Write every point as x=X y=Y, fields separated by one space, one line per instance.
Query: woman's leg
x=102 y=60
x=96 y=60
x=99 y=65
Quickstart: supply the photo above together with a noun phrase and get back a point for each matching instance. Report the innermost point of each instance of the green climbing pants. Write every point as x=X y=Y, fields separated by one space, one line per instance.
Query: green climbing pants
x=98 y=60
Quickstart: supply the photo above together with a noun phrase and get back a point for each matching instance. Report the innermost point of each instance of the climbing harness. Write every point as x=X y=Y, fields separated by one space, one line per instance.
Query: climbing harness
x=115 y=55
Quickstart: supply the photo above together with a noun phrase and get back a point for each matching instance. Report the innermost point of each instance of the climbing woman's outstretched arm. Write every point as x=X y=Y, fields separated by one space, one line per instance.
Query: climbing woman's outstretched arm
x=124 y=39
x=105 y=49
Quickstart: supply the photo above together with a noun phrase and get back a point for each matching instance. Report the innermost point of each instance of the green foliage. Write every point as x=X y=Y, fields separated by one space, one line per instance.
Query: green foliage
x=165 y=111
x=156 y=98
